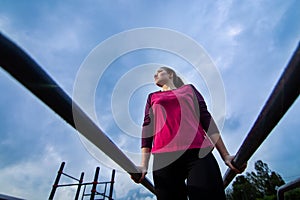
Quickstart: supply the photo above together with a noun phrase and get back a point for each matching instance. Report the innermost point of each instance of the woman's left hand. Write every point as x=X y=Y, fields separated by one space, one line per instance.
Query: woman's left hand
x=228 y=159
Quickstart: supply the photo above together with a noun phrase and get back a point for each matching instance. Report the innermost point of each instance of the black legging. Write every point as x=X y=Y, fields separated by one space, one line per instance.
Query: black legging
x=188 y=177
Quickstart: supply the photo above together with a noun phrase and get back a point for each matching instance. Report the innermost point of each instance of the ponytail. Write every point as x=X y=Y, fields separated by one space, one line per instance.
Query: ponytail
x=176 y=79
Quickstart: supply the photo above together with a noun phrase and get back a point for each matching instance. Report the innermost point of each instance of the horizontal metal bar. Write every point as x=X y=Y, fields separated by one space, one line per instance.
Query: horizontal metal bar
x=71 y=184
x=76 y=184
x=282 y=97
x=287 y=187
x=24 y=69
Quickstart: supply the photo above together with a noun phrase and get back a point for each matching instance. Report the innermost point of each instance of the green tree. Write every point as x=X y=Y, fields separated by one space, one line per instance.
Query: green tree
x=260 y=184
x=244 y=189
x=265 y=179
x=292 y=194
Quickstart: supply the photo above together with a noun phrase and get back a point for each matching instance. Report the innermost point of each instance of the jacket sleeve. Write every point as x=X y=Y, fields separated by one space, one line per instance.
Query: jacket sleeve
x=148 y=125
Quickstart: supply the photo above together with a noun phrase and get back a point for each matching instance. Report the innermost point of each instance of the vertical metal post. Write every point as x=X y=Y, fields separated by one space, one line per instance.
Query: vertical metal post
x=95 y=183
x=79 y=186
x=112 y=181
x=83 y=192
x=60 y=171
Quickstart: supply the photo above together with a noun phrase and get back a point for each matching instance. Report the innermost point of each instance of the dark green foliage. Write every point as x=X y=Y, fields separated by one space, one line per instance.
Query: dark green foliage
x=292 y=194
x=258 y=185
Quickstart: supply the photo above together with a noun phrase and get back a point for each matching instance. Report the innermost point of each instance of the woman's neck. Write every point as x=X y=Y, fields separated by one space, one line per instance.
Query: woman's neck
x=167 y=87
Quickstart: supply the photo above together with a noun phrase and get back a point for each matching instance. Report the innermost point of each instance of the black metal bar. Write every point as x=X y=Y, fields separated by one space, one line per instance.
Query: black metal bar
x=91 y=183
x=95 y=184
x=104 y=191
x=60 y=171
x=88 y=183
x=282 y=97
x=71 y=177
x=83 y=192
x=112 y=181
x=24 y=69
x=79 y=186
x=71 y=184
x=287 y=187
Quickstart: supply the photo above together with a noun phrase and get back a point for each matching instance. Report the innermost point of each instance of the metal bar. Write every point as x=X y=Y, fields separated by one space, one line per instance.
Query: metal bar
x=104 y=191
x=282 y=97
x=101 y=182
x=60 y=171
x=24 y=69
x=71 y=177
x=112 y=181
x=95 y=183
x=91 y=183
x=79 y=186
x=287 y=187
x=76 y=184
x=70 y=184
x=83 y=193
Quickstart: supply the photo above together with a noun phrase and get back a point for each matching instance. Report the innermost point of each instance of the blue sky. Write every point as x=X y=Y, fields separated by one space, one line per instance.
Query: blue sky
x=250 y=42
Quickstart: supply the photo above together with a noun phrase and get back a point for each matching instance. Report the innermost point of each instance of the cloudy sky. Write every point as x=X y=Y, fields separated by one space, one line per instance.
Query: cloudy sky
x=248 y=42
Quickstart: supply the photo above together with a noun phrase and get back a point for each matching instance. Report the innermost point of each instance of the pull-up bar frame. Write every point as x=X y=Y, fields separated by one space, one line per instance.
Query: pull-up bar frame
x=23 y=68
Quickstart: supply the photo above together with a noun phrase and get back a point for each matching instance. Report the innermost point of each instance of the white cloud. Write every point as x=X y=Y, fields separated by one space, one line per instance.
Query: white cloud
x=4 y=22
x=29 y=179
x=234 y=31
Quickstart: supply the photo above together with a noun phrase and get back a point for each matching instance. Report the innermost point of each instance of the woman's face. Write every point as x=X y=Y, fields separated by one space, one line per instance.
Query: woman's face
x=161 y=77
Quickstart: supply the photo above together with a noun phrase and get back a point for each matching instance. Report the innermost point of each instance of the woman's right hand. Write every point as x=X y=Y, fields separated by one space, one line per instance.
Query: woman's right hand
x=143 y=172
x=143 y=168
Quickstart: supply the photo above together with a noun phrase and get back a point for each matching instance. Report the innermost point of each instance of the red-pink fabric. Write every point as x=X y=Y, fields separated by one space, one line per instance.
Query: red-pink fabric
x=174 y=120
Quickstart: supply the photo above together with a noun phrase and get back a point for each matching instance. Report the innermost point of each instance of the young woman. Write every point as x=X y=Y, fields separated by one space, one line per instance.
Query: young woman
x=180 y=133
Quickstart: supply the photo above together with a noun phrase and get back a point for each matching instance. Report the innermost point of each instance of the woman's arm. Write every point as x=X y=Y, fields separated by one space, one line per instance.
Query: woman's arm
x=214 y=135
x=145 y=161
x=213 y=132
x=220 y=146
x=144 y=164
x=146 y=140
